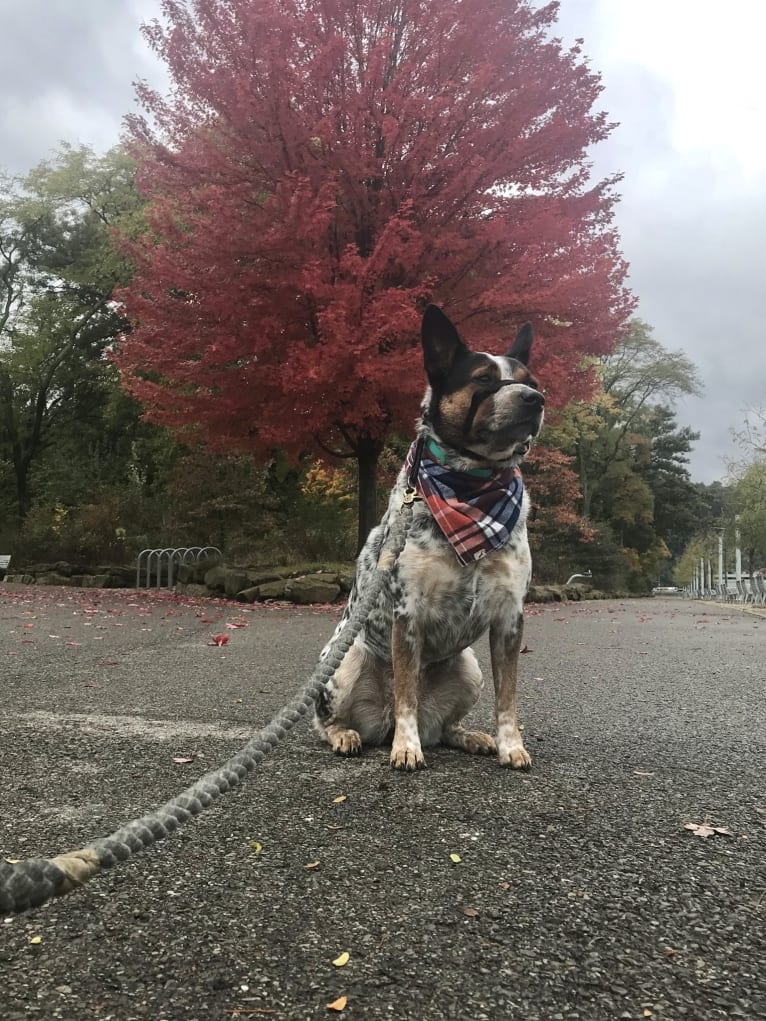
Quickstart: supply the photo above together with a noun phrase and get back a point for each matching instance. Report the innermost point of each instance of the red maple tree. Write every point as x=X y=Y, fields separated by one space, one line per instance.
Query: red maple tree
x=318 y=173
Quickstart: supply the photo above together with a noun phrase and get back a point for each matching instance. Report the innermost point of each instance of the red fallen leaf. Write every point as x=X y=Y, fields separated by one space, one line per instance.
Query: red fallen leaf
x=204 y=620
x=562 y=619
x=525 y=649
x=235 y=624
x=219 y=640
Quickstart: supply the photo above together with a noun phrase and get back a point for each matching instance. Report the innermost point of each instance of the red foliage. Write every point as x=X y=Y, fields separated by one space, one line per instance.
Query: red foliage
x=322 y=170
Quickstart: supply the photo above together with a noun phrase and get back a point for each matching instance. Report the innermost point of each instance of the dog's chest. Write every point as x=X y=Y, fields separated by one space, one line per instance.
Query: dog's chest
x=448 y=606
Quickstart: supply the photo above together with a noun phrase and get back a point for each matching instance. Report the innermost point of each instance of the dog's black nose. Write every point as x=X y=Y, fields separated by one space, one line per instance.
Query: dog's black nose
x=533 y=398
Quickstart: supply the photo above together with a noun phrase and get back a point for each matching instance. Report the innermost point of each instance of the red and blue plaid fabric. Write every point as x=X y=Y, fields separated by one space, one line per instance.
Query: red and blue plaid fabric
x=476 y=510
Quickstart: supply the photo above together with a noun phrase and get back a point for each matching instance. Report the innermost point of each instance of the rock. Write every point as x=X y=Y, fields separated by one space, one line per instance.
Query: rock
x=62 y=567
x=52 y=578
x=248 y=595
x=346 y=582
x=20 y=579
x=272 y=590
x=311 y=590
x=235 y=581
x=265 y=577
x=215 y=578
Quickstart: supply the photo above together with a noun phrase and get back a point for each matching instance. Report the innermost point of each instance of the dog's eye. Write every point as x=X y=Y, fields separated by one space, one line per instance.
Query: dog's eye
x=484 y=378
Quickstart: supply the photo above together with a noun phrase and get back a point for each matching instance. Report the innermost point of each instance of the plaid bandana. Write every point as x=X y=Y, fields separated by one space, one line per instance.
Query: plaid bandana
x=476 y=510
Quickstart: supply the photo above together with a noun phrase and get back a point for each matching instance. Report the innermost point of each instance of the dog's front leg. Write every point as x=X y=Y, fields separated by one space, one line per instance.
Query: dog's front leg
x=406 y=752
x=505 y=643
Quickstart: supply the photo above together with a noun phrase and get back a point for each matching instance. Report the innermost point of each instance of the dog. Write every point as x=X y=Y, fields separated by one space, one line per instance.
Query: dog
x=411 y=675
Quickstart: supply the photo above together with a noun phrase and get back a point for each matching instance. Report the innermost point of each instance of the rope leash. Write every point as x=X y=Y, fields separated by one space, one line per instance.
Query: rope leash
x=30 y=883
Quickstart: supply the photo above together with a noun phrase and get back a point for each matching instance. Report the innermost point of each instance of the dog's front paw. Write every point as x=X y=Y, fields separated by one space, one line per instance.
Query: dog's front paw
x=516 y=756
x=346 y=742
x=407 y=756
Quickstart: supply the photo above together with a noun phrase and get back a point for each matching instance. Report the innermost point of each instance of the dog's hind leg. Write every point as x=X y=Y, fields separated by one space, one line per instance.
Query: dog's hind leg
x=352 y=709
x=454 y=689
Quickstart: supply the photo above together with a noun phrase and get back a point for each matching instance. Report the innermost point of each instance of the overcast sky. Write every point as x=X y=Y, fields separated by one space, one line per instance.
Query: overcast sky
x=686 y=79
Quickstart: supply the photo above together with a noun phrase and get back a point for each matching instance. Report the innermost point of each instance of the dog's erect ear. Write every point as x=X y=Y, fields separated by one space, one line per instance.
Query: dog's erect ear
x=441 y=343
x=523 y=344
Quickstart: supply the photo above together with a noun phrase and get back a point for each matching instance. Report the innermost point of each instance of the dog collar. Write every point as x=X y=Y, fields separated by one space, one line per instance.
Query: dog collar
x=438 y=454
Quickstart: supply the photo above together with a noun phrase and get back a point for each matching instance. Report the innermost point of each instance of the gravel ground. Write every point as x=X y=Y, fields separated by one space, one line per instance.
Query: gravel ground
x=579 y=894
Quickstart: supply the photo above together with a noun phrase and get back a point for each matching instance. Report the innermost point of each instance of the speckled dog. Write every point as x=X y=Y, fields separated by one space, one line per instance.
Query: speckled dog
x=411 y=675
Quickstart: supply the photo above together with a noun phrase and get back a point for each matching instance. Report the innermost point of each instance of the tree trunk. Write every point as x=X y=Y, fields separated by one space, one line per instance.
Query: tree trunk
x=367 y=454
x=21 y=470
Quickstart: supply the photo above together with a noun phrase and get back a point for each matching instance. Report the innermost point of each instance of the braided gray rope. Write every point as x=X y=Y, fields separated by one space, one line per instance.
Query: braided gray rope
x=32 y=882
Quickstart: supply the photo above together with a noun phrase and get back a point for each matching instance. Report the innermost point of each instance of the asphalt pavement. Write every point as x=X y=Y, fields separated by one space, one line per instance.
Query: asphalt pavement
x=572 y=891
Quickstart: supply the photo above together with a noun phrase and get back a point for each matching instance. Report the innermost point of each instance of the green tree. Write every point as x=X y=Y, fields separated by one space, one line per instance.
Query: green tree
x=748 y=505
x=58 y=270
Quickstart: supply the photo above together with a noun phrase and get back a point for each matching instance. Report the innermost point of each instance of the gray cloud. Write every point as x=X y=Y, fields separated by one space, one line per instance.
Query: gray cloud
x=66 y=68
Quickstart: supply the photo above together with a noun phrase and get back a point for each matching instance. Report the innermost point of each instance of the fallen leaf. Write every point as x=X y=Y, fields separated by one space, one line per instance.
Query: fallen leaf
x=339 y=799
x=525 y=649
x=505 y=886
x=343 y=960
x=182 y=760
x=338 y=1005
x=219 y=640
x=35 y=939
x=256 y=846
x=12 y=861
x=640 y=772
x=312 y=865
x=471 y=912
x=704 y=829
x=455 y=858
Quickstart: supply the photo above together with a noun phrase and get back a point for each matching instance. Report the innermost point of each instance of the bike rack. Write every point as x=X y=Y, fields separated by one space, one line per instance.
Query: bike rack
x=173 y=555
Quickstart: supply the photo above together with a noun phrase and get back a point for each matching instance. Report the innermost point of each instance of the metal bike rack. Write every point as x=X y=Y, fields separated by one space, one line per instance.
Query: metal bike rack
x=173 y=555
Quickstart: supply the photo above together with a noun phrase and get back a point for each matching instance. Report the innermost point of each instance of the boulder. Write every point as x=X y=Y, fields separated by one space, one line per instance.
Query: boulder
x=346 y=581
x=311 y=590
x=248 y=595
x=235 y=581
x=272 y=590
x=52 y=578
x=215 y=578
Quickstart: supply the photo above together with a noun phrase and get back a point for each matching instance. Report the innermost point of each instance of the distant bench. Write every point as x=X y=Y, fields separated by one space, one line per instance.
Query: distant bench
x=5 y=559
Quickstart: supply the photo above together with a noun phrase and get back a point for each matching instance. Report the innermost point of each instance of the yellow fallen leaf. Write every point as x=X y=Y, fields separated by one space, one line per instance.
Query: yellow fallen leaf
x=256 y=846
x=344 y=958
x=339 y=1004
x=36 y=939
x=339 y=799
x=312 y=865
x=455 y=858
x=12 y=861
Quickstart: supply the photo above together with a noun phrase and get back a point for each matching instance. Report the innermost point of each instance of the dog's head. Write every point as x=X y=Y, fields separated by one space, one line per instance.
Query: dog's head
x=485 y=407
